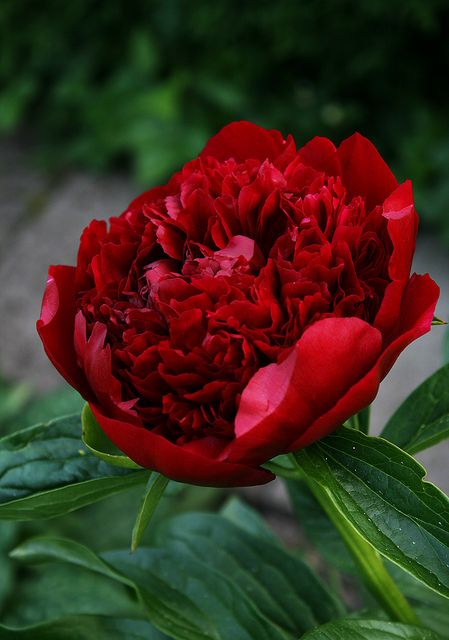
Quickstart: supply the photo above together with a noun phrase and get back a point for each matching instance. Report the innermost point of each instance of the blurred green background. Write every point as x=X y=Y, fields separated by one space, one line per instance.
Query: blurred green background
x=141 y=85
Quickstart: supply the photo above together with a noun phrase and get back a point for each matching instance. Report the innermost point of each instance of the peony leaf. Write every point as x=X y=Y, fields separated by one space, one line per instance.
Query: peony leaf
x=45 y=471
x=281 y=585
x=319 y=530
x=55 y=591
x=246 y=518
x=8 y=533
x=169 y=610
x=100 y=445
x=176 y=602
x=379 y=489
x=208 y=579
x=84 y=627
x=431 y=608
x=369 y=630
x=423 y=419
x=153 y=493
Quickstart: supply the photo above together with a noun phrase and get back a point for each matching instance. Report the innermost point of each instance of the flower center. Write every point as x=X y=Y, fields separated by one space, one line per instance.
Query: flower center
x=201 y=286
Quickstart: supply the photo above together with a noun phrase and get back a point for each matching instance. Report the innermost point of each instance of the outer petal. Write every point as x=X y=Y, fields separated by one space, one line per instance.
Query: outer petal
x=184 y=464
x=415 y=320
x=364 y=172
x=94 y=356
x=151 y=195
x=399 y=209
x=56 y=326
x=321 y=154
x=281 y=401
x=243 y=141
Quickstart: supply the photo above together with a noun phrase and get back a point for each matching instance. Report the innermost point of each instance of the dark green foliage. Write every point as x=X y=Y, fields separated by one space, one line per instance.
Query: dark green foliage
x=369 y=630
x=206 y=579
x=44 y=472
x=380 y=490
x=423 y=419
x=145 y=83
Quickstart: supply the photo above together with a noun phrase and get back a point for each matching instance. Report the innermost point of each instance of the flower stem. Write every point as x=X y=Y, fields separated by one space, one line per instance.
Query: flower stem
x=369 y=562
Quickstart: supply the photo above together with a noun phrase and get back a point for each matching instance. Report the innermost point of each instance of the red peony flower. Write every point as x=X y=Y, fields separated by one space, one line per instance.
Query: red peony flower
x=243 y=310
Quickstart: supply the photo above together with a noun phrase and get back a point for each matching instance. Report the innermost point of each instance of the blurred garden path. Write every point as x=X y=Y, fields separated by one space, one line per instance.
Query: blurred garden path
x=41 y=222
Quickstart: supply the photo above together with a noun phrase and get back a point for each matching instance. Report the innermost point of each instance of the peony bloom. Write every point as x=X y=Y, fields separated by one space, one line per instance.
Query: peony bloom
x=243 y=310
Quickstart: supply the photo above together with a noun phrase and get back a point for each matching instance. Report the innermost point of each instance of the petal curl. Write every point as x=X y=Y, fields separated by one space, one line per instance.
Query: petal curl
x=94 y=356
x=399 y=210
x=418 y=306
x=56 y=326
x=243 y=141
x=282 y=400
x=364 y=172
x=195 y=465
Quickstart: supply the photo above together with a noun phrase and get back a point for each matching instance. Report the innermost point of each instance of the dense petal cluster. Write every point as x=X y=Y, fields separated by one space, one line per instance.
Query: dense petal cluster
x=244 y=309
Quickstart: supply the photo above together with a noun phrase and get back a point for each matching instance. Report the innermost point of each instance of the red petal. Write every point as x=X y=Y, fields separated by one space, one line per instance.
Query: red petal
x=364 y=172
x=151 y=195
x=95 y=358
x=243 y=141
x=56 y=326
x=416 y=315
x=281 y=401
x=399 y=209
x=197 y=465
x=415 y=319
x=321 y=155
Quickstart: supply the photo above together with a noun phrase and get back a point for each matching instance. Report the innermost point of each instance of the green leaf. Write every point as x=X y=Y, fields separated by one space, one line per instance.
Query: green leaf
x=100 y=445
x=153 y=493
x=209 y=579
x=369 y=630
x=282 y=466
x=8 y=533
x=170 y=609
x=431 y=608
x=364 y=562
x=243 y=516
x=45 y=471
x=282 y=586
x=423 y=419
x=54 y=591
x=85 y=628
x=224 y=609
x=369 y=563
x=319 y=530
x=380 y=491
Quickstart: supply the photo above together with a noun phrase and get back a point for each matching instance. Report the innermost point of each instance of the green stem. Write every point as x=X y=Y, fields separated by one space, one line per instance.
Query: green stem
x=376 y=578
